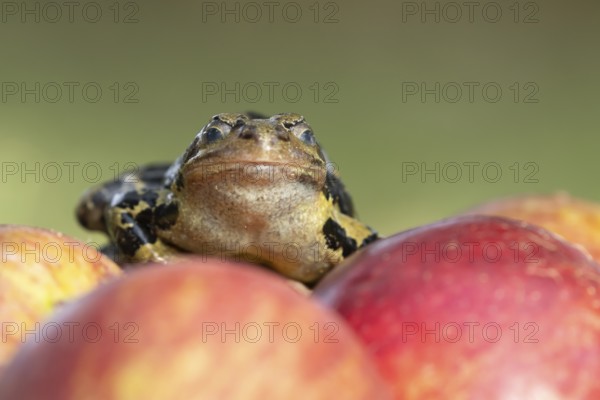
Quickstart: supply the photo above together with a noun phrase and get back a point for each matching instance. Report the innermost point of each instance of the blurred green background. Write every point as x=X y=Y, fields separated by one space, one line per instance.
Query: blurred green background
x=377 y=80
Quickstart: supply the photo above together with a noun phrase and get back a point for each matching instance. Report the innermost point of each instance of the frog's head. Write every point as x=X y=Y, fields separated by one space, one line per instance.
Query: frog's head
x=253 y=148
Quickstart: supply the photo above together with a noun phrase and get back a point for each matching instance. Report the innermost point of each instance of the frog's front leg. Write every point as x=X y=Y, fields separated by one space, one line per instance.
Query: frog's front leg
x=132 y=221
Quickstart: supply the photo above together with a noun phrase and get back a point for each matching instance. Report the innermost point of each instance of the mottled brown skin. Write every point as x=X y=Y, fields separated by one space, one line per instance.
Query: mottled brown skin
x=247 y=187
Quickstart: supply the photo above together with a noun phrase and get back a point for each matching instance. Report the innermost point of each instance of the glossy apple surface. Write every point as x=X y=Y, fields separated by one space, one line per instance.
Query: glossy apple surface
x=475 y=307
x=40 y=269
x=576 y=220
x=195 y=330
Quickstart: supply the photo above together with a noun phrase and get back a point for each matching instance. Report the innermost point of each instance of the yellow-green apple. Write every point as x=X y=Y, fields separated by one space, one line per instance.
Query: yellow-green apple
x=194 y=329
x=576 y=220
x=475 y=307
x=40 y=269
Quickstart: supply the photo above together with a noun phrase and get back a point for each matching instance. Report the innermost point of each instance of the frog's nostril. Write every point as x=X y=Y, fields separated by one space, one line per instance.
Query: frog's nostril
x=282 y=134
x=248 y=132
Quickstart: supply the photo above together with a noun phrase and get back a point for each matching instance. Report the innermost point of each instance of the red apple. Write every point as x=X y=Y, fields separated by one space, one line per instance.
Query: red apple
x=576 y=220
x=41 y=269
x=475 y=307
x=194 y=330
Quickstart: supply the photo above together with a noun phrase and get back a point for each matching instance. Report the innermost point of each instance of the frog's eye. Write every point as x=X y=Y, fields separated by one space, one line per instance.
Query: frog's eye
x=211 y=135
x=308 y=137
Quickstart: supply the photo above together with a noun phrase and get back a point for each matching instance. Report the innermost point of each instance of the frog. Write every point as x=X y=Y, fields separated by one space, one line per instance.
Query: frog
x=249 y=188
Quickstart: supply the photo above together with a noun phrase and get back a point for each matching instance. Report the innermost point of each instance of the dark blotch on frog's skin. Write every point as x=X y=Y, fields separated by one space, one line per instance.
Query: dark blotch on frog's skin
x=336 y=237
x=130 y=239
x=127 y=240
x=145 y=219
x=334 y=188
x=370 y=239
x=166 y=215
x=129 y=200
x=150 y=197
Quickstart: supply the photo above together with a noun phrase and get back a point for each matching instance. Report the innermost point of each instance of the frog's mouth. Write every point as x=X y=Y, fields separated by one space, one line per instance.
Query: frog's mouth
x=255 y=172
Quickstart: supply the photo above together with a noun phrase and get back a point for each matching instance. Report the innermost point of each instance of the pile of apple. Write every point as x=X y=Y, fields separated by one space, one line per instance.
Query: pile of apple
x=498 y=306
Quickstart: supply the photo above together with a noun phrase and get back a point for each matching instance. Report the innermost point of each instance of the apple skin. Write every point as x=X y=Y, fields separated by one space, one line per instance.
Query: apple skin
x=576 y=220
x=528 y=317
x=167 y=347
x=41 y=269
